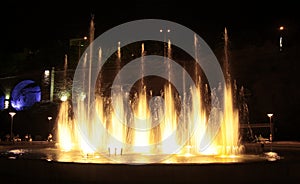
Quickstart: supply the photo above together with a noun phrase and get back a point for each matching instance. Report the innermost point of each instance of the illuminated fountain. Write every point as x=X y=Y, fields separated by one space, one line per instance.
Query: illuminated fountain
x=148 y=130
x=154 y=133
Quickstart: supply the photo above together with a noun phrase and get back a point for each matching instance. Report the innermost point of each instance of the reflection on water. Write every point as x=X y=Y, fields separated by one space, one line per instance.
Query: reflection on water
x=56 y=155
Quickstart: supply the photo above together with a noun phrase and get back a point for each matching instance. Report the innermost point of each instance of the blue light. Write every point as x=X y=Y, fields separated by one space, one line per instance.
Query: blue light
x=25 y=94
x=2 y=99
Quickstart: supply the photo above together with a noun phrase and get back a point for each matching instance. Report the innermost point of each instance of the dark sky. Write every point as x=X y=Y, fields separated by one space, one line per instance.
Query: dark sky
x=28 y=24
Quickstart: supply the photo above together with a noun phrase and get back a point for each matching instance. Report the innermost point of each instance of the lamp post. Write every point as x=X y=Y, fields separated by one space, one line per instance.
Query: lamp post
x=165 y=35
x=271 y=127
x=80 y=44
x=281 y=29
x=49 y=127
x=11 y=124
x=49 y=118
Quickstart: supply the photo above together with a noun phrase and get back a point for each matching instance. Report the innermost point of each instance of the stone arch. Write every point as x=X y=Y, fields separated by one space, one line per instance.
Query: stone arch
x=2 y=98
x=25 y=94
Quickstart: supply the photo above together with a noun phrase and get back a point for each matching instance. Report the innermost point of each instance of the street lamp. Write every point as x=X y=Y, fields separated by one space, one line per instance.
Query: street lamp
x=281 y=29
x=11 y=123
x=271 y=127
x=80 y=43
x=49 y=118
x=169 y=42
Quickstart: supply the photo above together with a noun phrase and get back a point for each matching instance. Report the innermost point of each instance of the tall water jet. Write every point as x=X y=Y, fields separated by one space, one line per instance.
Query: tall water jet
x=196 y=115
x=169 y=60
x=197 y=119
x=65 y=79
x=91 y=39
x=226 y=58
x=169 y=139
x=230 y=123
x=142 y=64
x=118 y=63
x=69 y=136
x=141 y=113
x=119 y=52
x=169 y=123
x=65 y=126
x=98 y=89
x=197 y=58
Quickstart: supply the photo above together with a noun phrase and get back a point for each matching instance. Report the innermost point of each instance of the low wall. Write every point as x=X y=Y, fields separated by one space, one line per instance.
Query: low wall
x=285 y=170
x=41 y=171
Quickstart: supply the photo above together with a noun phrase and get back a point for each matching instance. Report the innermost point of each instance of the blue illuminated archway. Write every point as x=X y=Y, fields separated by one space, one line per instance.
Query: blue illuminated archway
x=2 y=99
x=25 y=94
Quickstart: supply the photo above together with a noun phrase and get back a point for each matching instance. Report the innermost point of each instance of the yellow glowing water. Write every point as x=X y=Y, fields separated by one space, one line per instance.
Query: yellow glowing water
x=108 y=129
x=142 y=124
x=89 y=138
x=65 y=128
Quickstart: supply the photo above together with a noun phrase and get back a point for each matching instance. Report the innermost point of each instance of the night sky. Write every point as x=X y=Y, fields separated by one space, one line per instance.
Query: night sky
x=269 y=76
x=26 y=24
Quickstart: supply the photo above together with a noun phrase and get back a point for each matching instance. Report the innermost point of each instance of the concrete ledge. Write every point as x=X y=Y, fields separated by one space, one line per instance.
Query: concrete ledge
x=31 y=171
x=41 y=171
